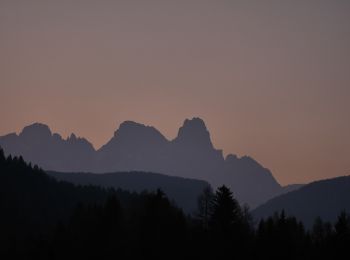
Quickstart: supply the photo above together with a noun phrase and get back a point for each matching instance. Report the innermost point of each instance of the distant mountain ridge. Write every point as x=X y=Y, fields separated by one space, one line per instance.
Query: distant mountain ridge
x=137 y=147
x=325 y=199
x=37 y=144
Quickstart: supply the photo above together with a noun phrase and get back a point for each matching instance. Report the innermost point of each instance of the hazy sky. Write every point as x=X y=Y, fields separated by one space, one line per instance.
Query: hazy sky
x=271 y=79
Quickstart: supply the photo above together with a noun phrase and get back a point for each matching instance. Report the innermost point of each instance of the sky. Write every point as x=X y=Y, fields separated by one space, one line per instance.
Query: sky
x=271 y=79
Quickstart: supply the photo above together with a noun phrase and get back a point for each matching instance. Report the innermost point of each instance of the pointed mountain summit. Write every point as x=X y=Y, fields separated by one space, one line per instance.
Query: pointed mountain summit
x=72 y=138
x=194 y=133
x=193 y=153
x=79 y=143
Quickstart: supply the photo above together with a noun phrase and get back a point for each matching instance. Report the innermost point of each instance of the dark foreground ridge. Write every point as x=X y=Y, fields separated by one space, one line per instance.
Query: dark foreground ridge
x=42 y=218
x=184 y=192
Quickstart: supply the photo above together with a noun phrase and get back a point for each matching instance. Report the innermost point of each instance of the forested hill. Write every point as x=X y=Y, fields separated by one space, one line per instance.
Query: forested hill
x=42 y=218
x=325 y=199
x=184 y=192
x=30 y=199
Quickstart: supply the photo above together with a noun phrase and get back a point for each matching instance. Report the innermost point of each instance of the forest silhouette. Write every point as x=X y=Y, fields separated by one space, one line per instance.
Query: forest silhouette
x=42 y=218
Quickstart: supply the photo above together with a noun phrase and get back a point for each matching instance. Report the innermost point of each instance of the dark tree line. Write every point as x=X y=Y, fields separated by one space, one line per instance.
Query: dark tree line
x=41 y=218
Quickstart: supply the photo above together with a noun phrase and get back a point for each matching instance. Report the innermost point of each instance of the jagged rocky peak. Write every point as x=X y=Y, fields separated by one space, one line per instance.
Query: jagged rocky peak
x=194 y=132
x=79 y=142
x=36 y=130
x=231 y=158
x=72 y=137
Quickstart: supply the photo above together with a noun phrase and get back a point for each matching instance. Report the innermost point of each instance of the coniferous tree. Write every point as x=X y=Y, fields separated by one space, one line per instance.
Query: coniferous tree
x=205 y=201
x=342 y=233
x=2 y=155
x=226 y=211
x=342 y=226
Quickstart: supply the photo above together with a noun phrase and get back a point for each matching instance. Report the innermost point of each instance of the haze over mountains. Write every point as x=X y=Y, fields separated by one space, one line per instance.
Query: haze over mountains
x=136 y=147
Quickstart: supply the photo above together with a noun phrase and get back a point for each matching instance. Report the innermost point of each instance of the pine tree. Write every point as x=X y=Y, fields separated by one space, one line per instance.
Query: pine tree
x=227 y=213
x=205 y=201
x=2 y=155
x=342 y=226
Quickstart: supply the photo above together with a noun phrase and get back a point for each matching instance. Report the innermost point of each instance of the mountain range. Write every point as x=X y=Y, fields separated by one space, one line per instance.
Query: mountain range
x=137 y=147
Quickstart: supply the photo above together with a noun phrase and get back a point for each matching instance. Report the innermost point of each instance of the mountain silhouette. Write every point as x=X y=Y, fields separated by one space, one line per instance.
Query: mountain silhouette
x=137 y=147
x=194 y=135
x=325 y=199
x=250 y=180
x=37 y=144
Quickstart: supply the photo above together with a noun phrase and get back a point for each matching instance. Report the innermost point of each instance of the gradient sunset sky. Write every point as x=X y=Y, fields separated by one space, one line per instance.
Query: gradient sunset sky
x=271 y=79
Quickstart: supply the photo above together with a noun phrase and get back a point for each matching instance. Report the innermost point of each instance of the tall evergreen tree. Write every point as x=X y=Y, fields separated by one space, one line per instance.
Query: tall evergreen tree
x=342 y=226
x=2 y=155
x=205 y=201
x=342 y=233
x=227 y=213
